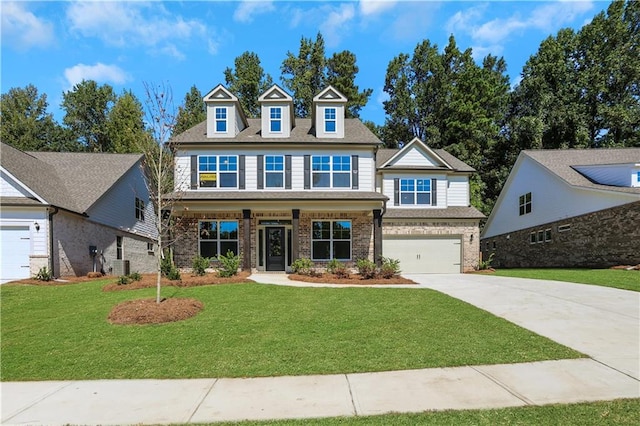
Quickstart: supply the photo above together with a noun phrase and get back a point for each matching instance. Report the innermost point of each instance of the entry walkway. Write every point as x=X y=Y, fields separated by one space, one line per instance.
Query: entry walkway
x=600 y=322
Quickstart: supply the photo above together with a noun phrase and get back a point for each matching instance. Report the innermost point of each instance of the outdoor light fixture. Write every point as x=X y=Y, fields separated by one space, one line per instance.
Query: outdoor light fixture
x=37 y=226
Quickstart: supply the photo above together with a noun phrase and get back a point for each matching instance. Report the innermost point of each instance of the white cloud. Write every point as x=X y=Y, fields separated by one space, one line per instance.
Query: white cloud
x=134 y=24
x=334 y=26
x=22 y=29
x=99 y=72
x=247 y=10
x=375 y=7
x=479 y=52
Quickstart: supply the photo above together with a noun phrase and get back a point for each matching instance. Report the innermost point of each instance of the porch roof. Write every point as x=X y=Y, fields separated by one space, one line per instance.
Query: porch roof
x=277 y=196
x=455 y=212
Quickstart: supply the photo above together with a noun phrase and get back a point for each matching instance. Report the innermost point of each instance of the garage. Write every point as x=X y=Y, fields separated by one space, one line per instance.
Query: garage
x=16 y=246
x=424 y=253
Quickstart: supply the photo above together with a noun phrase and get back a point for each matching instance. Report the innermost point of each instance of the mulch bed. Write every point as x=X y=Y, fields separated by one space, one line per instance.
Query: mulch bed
x=353 y=279
x=186 y=280
x=147 y=311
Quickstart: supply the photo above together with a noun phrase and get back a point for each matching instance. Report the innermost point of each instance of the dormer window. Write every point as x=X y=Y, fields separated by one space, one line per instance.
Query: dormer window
x=221 y=120
x=330 y=120
x=275 y=119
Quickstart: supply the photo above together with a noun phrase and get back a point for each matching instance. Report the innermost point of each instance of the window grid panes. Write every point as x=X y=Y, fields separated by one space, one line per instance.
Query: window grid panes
x=524 y=203
x=139 y=209
x=274 y=171
x=218 y=171
x=331 y=171
x=218 y=237
x=221 y=120
x=415 y=191
x=330 y=120
x=275 y=117
x=331 y=240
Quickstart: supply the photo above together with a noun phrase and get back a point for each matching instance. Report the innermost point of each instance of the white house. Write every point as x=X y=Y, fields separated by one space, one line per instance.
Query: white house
x=73 y=213
x=568 y=208
x=279 y=187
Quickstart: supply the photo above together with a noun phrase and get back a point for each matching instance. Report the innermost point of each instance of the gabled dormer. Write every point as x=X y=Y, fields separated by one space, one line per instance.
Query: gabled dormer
x=276 y=110
x=225 y=117
x=416 y=154
x=328 y=112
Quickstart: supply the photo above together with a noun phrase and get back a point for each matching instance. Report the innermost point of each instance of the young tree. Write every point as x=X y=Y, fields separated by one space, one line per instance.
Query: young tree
x=87 y=108
x=341 y=74
x=248 y=81
x=158 y=164
x=191 y=112
x=125 y=124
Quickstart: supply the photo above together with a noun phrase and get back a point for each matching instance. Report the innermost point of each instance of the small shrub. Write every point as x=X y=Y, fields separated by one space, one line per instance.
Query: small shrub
x=200 y=265
x=123 y=280
x=166 y=265
x=366 y=268
x=44 y=274
x=174 y=274
x=135 y=276
x=389 y=267
x=485 y=264
x=337 y=268
x=229 y=264
x=303 y=266
x=333 y=265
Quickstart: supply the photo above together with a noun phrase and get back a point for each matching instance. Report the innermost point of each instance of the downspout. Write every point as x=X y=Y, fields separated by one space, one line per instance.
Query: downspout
x=51 y=263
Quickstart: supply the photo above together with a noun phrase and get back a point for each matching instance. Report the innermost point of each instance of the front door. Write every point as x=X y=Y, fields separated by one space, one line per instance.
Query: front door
x=275 y=249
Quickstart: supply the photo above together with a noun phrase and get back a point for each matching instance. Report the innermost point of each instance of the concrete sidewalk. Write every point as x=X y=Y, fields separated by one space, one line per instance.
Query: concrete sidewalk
x=594 y=320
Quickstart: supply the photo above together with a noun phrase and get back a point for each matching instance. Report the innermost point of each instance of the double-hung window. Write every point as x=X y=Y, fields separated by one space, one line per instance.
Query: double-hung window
x=415 y=191
x=330 y=120
x=217 y=237
x=221 y=120
x=331 y=171
x=331 y=239
x=524 y=203
x=218 y=171
x=275 y=119
x=274 y=171
x=139 y=209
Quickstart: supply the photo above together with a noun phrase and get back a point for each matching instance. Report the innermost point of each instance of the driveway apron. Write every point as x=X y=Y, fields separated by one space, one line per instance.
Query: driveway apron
x=600 y=322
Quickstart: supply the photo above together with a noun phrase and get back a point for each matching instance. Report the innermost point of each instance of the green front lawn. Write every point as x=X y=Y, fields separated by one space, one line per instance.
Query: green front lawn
x=617 y=278
x=249 y=330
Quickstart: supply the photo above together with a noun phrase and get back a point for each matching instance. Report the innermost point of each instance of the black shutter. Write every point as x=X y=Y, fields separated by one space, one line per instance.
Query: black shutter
x=260 y=171
x=287 y=172
x=396 y=192
x=307 y=172
x=434 y=192
x=194 y=172
x=354 y=172
x=241 y=172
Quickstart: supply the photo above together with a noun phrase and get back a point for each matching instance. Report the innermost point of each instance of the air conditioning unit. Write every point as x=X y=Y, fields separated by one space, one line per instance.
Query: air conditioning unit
x=120 y=267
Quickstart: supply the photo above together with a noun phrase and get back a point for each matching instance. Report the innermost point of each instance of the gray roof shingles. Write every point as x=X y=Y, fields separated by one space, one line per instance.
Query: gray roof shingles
x=71 y=180
x=455 y=212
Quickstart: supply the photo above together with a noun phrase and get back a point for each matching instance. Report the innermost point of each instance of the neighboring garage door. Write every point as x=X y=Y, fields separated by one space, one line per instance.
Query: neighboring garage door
x=15 y=252
x=425 y=254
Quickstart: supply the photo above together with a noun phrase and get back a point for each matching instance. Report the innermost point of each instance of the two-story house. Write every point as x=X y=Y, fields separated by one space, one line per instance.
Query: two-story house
x=279 y=187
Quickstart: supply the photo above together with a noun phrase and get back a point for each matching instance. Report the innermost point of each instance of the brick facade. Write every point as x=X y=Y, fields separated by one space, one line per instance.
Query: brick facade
x=595 y=240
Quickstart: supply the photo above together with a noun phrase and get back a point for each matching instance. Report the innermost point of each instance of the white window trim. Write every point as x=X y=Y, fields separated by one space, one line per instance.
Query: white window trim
x=415 y=192
x=219 y=120
x=265 y=171
x=218 y=172
x=331 y=240
x=271 y=120
x=329 y=120
x=331 y=173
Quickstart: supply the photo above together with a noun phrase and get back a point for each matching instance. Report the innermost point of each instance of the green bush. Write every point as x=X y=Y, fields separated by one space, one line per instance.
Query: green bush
x=337 y=268
x=166 y=265
x=135 y=276
x=200 y=265
x=366 y=268
x=229 y=264
x=389 y=267
x=174 y=274
x=44 y=274
x=485 y=264
x=303 y=266
x=123 y=280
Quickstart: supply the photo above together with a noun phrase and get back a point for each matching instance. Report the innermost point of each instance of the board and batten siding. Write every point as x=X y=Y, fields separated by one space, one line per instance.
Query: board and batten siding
x=552 y=199
x=366 y=167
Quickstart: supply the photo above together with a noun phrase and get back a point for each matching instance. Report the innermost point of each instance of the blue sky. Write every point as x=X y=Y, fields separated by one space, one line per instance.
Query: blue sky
x=55 y=45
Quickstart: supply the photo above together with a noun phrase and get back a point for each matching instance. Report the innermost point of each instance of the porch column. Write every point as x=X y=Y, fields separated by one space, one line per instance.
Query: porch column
x=246 y=240
x=295 y=237
x=377 y=237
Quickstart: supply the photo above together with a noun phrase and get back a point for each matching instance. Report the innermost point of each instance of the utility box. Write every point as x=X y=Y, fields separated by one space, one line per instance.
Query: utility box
x=121 y=267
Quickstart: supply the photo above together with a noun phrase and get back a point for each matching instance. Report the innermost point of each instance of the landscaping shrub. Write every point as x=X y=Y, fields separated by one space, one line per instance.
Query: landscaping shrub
x=123 y=280
x=166 y=265
x=44 y=274
x=200 y=265
x=303 y=266
x=135 y=276
x=337 y=268
x=366 y=268
x=485 y=264
x=389 y=267
x=229 y=264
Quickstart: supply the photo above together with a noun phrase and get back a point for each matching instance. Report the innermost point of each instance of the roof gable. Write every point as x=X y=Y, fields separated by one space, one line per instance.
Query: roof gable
x=220 y=93
x=275 y=93
x=330 y=94
x=416 y=154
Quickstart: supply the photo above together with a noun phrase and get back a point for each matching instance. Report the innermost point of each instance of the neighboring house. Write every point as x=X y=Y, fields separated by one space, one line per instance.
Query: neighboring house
x=277 y=188
x=57 y=206
x=568 y=208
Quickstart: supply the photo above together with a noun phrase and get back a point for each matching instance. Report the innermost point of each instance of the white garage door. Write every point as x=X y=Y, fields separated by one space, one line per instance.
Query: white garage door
x=426 y=254
x=14 y=257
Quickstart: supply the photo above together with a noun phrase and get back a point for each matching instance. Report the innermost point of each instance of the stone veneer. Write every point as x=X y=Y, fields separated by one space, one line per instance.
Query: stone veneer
x=72 y=236
x=594 y=240
x=469 y=232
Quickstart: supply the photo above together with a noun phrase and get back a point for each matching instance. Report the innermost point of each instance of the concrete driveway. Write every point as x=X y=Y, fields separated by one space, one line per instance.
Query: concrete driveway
x=601 y=322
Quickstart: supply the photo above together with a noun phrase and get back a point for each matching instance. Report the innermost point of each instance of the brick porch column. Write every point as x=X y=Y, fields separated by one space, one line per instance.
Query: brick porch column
x=377 y=237
x=295 y=237
x=246 y=240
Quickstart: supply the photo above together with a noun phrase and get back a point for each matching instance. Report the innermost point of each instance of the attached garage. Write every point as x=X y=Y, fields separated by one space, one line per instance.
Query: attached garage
x=425 y=253
x=16 y=246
